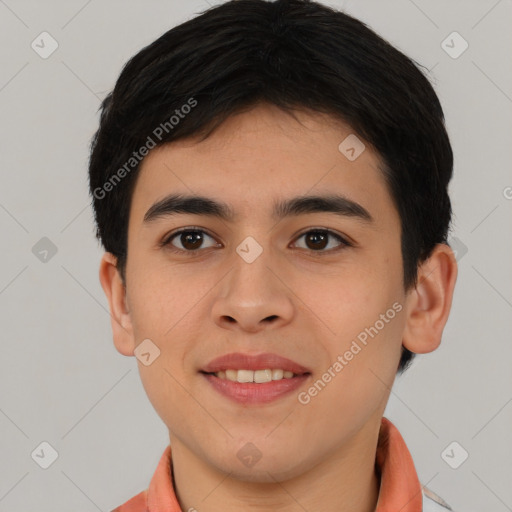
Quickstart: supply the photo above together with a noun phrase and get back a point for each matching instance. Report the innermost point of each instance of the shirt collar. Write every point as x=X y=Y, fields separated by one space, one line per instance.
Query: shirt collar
x=400 y=489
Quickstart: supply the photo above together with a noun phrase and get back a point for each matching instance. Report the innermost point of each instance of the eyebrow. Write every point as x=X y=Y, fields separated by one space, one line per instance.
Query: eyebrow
x=199 y=205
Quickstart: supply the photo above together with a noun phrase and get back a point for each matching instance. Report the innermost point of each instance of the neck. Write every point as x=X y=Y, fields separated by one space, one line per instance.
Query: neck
x=345 y=481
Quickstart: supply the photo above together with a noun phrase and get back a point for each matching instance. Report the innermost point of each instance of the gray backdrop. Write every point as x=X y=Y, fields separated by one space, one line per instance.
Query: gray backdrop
x=63 y=383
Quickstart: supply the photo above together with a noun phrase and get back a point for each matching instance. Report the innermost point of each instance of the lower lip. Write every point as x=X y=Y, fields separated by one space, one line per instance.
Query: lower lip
x=252 y=393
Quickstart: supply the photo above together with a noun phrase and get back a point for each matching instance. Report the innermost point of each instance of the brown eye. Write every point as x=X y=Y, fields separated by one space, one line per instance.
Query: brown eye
x=190 y=240
x=317 y=240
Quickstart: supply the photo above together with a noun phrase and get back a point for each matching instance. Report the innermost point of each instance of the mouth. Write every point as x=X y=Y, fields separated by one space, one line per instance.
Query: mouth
x=259 y=390
x=243 y=364
x=255 y=376
x=254 y=379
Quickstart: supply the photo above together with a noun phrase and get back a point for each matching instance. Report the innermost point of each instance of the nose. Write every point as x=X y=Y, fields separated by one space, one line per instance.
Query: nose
x=253 y=297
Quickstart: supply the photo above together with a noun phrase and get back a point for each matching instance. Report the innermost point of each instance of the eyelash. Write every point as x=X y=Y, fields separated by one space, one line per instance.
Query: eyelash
x=167 y=240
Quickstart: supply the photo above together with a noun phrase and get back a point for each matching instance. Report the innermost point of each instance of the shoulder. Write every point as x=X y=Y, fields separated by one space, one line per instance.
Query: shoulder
x=432 y=502
x=136 y=504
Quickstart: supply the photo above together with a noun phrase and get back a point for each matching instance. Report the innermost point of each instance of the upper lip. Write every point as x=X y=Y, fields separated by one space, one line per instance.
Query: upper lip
x=240 y=361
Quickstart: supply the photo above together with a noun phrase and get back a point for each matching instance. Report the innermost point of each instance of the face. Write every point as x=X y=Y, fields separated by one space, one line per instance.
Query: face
x=308 y=286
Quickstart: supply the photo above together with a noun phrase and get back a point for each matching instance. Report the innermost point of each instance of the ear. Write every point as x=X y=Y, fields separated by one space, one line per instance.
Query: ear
x=115 y=291
x=429 y=303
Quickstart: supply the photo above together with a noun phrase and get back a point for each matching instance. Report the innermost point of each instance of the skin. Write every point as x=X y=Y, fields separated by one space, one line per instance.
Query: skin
x=290 y=300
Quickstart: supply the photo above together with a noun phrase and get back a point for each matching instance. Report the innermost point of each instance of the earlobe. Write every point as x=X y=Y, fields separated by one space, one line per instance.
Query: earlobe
x=115 y=291
x=429 y=303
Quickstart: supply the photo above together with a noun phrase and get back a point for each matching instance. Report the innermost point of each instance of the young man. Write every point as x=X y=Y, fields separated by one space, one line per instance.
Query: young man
x=270 y=185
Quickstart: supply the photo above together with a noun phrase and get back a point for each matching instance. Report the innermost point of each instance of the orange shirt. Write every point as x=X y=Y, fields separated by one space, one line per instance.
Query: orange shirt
x=400 y=488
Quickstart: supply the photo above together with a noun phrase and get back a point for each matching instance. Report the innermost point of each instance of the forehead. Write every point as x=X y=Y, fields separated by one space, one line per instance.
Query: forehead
x=260 y=157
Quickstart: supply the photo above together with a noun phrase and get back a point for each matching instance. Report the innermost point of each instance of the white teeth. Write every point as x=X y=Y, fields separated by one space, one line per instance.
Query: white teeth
x=245 y=376
x=277 y=374
x=258 y=376
x=262 y=376
x=229 y=374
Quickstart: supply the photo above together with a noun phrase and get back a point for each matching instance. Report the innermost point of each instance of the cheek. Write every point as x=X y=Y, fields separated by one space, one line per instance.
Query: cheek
x=358 y=375
x=161 y=301
x=360 y=315
x=348 y=301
